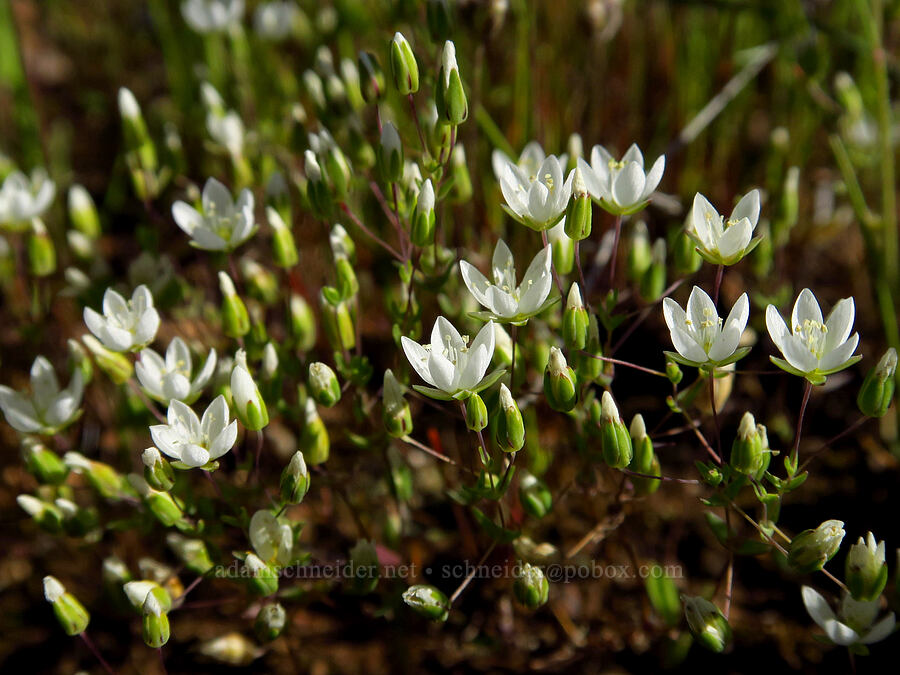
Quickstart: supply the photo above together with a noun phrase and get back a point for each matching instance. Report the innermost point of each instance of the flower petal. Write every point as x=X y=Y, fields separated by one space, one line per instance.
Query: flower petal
x=817 y=606
x=838 y=356
x=880 y=630
x=628 y=185
x=475 y=281
x=417 y=356
x=747 y=207
x=805 y=308
x=839 y=323
x=443 y=373
x=778 y=329
x=224 y=441
x=19 y=411
x=654 y=176
x=735 y=240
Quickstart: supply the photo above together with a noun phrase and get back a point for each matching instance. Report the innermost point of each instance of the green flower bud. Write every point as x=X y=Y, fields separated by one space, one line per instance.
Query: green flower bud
x=77 y=522
x=866 y=571
x=404 y=68
x=263 y=578
x=161 y=504
x=137 y=139
x=390 y=154
x=341 y=243
x=811 y=549
x=747 y=449
x=137 y=593
x=396 y=416
x=314 y=441
x=155 y=622
x=563 y=249
x=316 y=186
x=574 y=150
x=560 y=382
x=365 y=567
x=513 y=427
x=575 y=320
x=302 y=323
x=707 y=624
x=615 y=442
x=644 y=460
x=115 y=573
x=653 y=282
x=261 y=283
x=439 y=19
x=849 y=95
x=270 y=362
x=104 y=479
x=639 y=253
x=116 y=365
x=535 y=496
x=423 y=219
x=663 y=595
x=476 y=413
x=338 y=322
x=41 y=251
x=877 y=391
x=43 y=463
x=323 y=384
x=579 y=211
x=270 y=622
x=438 y=135
x=191 y=552
x=83 y=247
x=157 y=470
x=249 y=406
x=684 y=253
x=70 y=613
x=427 y=601
x=673 y=372
x=295 y=480
x=371 y=77
x=235 y=319
x=462 y=181
x=531 y=587
x=48 y=516
x=83 y=212
x=449 y=96
x=347 y=283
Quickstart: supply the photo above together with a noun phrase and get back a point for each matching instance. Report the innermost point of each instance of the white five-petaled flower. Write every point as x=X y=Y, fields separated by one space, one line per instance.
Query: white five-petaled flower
x=529 y=161
x=272 y=540
x=537 y=200
x=223 y=224
x=813 y=347
x=700 y=336
x=507 y=301
x=855 y=622
x=23 y=198
x=621 y=186
x=126 y=325
x=192 y=441
x=453 y=368
x=49 y=408
x=720 y=241
x=170 y=378
x=212 y=16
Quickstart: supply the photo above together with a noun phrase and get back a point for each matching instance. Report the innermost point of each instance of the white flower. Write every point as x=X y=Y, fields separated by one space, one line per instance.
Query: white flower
x=720 y=241
x=165 y=379
x=192 y=441
x=529 y=161
x=126 y=325
x=854 y=626
x=621 y=186
x=49 y=408
x=212 y=16
x=227 y=130
x=249 y=405
x=814 y=348
x=224 y=224
x=275 y=20
x=536 y=200
x=23 y=198
x=699 y=335
x=506 y=301
x=272 y=540
x=454 y=369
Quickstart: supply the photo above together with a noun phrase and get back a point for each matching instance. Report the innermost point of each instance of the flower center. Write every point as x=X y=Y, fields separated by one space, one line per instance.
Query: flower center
x=812 y=334
x=451 y=352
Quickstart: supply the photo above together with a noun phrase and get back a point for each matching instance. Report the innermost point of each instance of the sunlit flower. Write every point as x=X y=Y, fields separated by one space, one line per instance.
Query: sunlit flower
x=453 y=368
x=125 y=325
x=165 y=379
x=621 y=186
x=212 y=16
x=720 y=241
x=529 y=161
x=855 y=622
x=700 y=336
x=536 y=200
x=814 y=348
x=505 y=300
x=49 y=408
x=223 y=224
x=272 y=540
x=194 y=442
x=23 y=198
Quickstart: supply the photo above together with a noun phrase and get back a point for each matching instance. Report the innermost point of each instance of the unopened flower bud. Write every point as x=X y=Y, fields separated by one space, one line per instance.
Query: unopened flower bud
x=371 y=77
x=579 y=211
x=161 y=504
x=103 y=478
x=157 y=470
x=235 y=319
x=115 y=573
x=747 y=449
x=575 y=320
x=390 y=154
x=316 y=187
x=404 y=68
x=531 y=587
x=563 y=248
x=347 y=283
x=155 y=622
x=423 y=219
x=48 y=516
x=397 y=416
x=302 y=323
x=684 y=254
x=707 y=624
x=811 y=549
x=653 y=282
x=314 y=441
x=476 y=413
x=295 y=480
x=83 y=212
x=115 y=364
x=270 y=622
x=560 y=382
x=249 y=406
x=269 y=361
x=512 y=428
x=41 y=251
x=427 y=601
x=459 y=170
x=535 y=496
x=137 y=593
x=450 y=97
x=262 y=577
x=877 y=391
x=338 y=322
x=191 y=552
x=644 y=460
x=866 y=571
x=43 y=463
x=639 y=253
x=338 y=170
x=615 y=442
x=673 y=372
x=137 y=139
x=323 y=384
x=70 y=613
x=80 y=361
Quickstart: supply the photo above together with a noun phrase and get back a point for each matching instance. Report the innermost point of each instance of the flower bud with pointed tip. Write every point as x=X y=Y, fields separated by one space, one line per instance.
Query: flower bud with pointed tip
x=269 y=361
x=427 y=601
x=707 y=624
x=262 y=577
x=560 y=382
x=512 y=427
x=371 y=77
x=644 y=460
x=450 y=97
x=639 y=252
x=302 y=322
x=83 y=212
x=575 y=320
x=157 y=470
x=102 y=477
x=270 y=622
x=137 y=139
x=323 y=384
x=476 y=413
x=191 y=552
x=535 y=496
x=396 y=416
x=653 y=282
x=284 y=247
x=41 y=251
x=48 y=516
x=404 y=68
x=673 y=372
x=423 y=219
x=579 y=211
x=116 y=365
x=314 y=441
x=155 y=622
x=235 y=319
x=531 y=587
x=866 y=571
x=811 y=549
x=459 y=170
x=295 y=480
x=162 y=504
x=70 y=613
x=685 y=258
x=747 y=449
x=390 y=154
x=249 y=406
x=43 y=463
x=115 y=573
x=316 y=187
x=615 y=442
x=337 y=319
x=877 y=391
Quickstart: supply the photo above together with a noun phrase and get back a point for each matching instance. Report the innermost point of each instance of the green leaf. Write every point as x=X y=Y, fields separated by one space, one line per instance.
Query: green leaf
x=497 y=533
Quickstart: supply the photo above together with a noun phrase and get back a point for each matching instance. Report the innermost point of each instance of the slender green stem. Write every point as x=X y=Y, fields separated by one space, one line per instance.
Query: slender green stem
x=795 y=452
x=471 y=574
